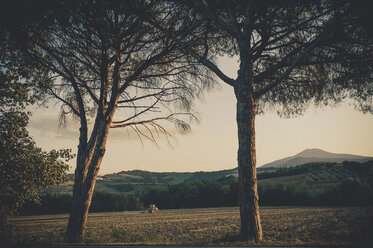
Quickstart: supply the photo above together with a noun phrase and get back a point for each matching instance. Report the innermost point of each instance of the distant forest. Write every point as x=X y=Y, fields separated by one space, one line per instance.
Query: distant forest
x=223 y=192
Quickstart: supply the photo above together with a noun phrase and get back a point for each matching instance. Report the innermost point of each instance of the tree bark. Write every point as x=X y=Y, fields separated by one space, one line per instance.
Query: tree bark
x=88 y=165
x=78 y=215
x=251 y=229
x=82 y=196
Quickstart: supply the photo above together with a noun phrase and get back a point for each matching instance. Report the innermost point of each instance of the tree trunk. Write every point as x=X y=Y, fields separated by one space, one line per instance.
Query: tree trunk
x=248 y=194
x=81 y=201
x=88 y=165
x=251 y=229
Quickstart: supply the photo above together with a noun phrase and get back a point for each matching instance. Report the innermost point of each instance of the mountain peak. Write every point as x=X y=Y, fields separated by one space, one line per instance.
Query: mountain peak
x=314 y=152
x=315 y=155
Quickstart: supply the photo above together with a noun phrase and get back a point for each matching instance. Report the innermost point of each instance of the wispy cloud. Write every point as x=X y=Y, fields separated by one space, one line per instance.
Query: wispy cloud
x=47 y=125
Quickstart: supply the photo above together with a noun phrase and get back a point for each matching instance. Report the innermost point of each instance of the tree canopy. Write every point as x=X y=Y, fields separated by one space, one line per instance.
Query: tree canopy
x=25 y=169
x=290 y=53
x=108 y=69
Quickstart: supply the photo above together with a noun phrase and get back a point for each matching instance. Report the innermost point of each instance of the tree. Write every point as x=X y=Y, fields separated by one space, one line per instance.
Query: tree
x=102 y=59
x=25 y=169
x=291 y=54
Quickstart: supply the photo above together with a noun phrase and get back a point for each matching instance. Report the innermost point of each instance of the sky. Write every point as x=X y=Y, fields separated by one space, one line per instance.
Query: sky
x=212 y=145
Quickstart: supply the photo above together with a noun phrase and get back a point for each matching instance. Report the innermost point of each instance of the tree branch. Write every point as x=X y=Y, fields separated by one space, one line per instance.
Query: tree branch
x=195 y=55
x=288 y=70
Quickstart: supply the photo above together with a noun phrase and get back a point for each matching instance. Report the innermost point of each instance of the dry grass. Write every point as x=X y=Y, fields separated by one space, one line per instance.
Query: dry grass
x=213 y=226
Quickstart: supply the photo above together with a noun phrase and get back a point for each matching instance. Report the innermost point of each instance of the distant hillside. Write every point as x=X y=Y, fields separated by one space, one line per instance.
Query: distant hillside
x=318 y=174
x=315 y=155
x=136 y=181
x=147 y=177
x=311 y=184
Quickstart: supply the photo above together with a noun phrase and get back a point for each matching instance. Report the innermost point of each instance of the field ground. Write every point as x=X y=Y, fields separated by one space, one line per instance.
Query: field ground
x=209 y=226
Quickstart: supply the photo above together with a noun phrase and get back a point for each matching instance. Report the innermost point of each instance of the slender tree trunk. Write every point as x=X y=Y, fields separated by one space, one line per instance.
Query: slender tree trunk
x=81 y=201
x=251 y=229
x=248 y=194
x=88 y=165
x=78 y=216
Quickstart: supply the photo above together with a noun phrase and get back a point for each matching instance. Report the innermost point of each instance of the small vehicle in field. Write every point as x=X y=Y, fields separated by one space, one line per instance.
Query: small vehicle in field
x=152 y=209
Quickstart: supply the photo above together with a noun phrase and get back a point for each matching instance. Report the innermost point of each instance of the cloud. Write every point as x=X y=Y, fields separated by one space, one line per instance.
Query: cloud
x=46 y=124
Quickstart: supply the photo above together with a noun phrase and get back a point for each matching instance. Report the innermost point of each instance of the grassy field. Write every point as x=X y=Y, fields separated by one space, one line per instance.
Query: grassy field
x=209 y=226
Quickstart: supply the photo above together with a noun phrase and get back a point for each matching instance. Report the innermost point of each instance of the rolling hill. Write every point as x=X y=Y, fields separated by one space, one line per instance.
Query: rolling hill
x=311 y=166
x=315 y=155
x=147 y=177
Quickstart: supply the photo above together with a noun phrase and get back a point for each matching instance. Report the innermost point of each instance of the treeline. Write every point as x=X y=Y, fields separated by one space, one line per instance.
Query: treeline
x=219 y=193
x=351 y=192
x=101 y=202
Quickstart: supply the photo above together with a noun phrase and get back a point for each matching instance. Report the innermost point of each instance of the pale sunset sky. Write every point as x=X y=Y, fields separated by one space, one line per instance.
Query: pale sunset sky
x=213 y=143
